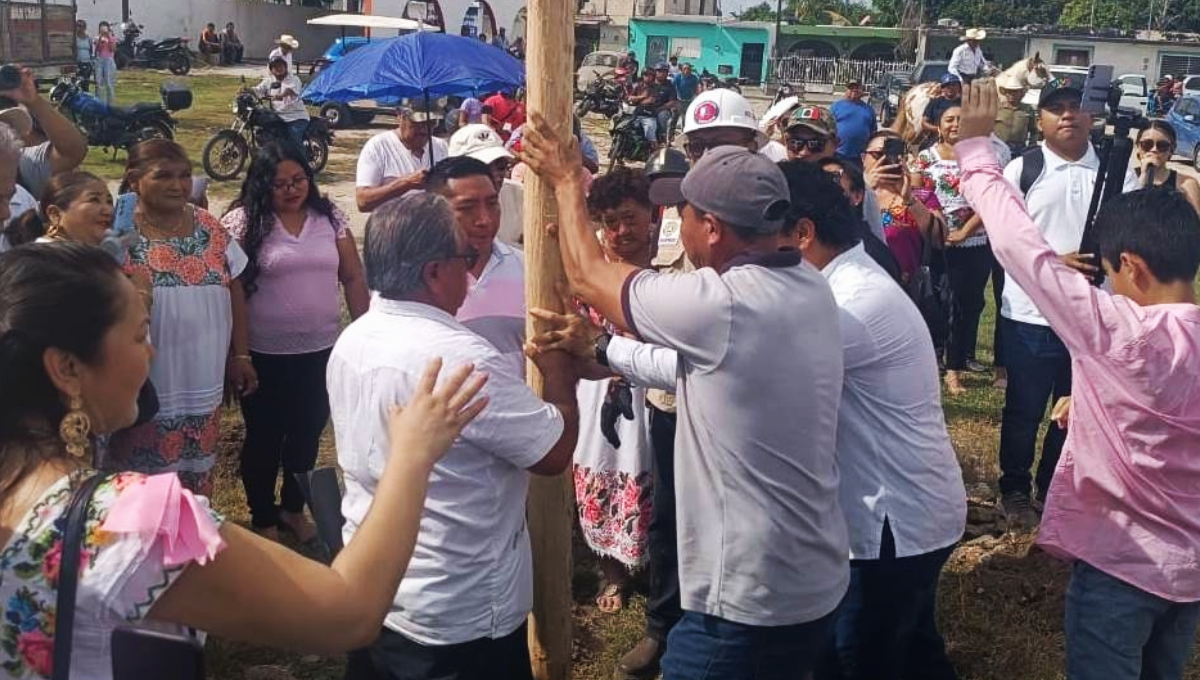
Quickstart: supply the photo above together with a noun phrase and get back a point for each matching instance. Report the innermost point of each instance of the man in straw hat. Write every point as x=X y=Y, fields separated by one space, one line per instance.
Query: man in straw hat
x=968 y=61
x=1016 y=123
x=284 y=46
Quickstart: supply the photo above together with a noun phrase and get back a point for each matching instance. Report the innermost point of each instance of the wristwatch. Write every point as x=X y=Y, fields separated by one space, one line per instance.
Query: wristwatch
x=601 y=346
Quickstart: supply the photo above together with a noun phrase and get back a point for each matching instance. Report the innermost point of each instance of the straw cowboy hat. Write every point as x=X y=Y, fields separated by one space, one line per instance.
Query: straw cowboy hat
x=1011 y=82
x=288 y=40
x=973 y=34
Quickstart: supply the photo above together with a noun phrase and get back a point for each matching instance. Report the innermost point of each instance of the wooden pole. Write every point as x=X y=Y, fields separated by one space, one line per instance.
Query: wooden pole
x=550 y=50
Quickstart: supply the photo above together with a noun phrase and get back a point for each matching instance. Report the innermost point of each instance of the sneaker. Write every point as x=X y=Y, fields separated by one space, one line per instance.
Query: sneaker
x=641 y=662
x=976 y=367
x=1018 y=510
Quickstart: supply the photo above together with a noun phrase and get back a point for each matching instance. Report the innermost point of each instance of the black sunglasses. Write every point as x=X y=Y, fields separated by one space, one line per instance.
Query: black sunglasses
x=813 y=145
x=1159 y=145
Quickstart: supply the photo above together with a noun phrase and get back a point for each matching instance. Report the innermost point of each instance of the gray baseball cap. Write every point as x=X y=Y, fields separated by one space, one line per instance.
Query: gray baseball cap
x=738 y=186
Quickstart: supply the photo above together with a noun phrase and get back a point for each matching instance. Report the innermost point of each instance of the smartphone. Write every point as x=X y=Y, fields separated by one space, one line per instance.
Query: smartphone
x=123 y=213
x=149 y=652
x=1096 y=89
x=893 y=151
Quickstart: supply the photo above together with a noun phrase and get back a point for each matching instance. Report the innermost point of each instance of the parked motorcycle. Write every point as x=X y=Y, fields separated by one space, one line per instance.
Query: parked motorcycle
x=120 y=127
x=603 y=96
x=629 y=143
x=255 y=124
x=171 y=53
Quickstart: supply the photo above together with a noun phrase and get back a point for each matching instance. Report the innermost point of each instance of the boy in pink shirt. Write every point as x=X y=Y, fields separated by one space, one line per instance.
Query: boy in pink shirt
x=1125 y=501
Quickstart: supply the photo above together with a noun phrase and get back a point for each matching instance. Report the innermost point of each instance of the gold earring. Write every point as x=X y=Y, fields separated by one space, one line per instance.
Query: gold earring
x=75 y=428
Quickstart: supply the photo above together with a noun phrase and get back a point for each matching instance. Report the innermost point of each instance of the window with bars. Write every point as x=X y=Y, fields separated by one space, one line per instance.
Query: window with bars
x=685 y=48
x=1179 y=65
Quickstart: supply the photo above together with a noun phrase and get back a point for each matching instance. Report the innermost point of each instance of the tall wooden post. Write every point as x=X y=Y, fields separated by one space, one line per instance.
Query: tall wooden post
x=549 y=54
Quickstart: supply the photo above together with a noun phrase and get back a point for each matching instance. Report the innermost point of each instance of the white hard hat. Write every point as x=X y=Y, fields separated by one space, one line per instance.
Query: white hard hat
x=719 y=108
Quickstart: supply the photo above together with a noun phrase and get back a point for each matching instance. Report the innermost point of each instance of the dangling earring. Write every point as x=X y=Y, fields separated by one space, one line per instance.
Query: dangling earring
x=75 y=428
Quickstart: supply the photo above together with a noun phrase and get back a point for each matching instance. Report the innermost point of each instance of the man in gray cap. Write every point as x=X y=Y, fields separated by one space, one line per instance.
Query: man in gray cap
x=756 y=489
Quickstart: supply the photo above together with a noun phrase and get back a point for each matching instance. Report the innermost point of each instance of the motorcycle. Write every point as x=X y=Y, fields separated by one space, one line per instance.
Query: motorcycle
x=255 y=124
x=119 y=127
x=629 y=143
x=710 y=82
x=603 y=96
x=171 y=53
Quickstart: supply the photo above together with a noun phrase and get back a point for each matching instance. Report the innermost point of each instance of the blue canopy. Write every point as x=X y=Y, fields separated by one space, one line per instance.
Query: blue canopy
x=415 y=65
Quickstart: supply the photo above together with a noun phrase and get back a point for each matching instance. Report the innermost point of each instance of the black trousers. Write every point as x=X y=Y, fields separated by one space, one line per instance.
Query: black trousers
x=395 y=657
x=284 y=421
x=998 y=331
x=663 y=610
x=968 y=270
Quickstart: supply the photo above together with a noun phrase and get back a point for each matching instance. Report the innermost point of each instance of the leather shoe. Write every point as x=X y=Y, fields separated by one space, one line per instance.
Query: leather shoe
x=641 y=662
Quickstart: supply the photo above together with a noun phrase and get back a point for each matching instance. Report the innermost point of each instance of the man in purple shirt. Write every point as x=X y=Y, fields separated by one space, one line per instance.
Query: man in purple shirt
x=1123 y=504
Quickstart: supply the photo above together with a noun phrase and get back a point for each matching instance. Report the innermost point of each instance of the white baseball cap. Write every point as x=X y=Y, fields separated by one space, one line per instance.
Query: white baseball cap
x=721 y=108
x=480 y=142
x=18 y=118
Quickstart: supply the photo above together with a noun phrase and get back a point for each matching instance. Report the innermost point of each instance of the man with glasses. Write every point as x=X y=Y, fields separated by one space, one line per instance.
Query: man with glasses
x=1039 y=366
x=495 y=304
x=461 y=608
x=720 y=118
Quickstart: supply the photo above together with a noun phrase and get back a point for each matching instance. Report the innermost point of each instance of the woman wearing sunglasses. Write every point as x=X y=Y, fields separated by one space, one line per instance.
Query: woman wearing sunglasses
x=1155 y=147
x=300 y=249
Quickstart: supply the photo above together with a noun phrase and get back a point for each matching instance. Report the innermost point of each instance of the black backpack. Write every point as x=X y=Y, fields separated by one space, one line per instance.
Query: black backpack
x=1033 y=162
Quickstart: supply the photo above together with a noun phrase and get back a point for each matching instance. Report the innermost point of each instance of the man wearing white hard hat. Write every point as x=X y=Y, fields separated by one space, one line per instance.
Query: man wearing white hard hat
x=481 y=142
x=968 y=61
x=720 y=118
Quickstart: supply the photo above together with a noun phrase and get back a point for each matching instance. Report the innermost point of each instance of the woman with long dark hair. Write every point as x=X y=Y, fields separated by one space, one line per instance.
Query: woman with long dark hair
x=74 y=351
x=299 y=248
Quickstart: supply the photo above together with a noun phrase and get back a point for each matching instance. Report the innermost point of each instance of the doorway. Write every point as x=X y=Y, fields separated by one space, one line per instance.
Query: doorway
x=656 y=50
x=752 y=61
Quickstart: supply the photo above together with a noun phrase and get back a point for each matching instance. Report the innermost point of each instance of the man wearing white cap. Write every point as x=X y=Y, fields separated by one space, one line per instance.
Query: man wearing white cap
x=284 y=46
x=968 y=61
x=481 y=142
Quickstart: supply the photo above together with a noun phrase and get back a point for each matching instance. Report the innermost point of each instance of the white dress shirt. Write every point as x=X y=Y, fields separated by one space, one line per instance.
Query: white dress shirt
x=470 y=576
x=1058 y=202
x=894 y=453
x=495 y=305
x=966 y=60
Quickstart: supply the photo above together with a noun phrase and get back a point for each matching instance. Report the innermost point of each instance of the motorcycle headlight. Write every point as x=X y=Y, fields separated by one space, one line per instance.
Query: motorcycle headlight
x=234 y=106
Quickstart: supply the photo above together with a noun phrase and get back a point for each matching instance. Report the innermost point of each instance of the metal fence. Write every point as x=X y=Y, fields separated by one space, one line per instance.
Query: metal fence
x=824 y=74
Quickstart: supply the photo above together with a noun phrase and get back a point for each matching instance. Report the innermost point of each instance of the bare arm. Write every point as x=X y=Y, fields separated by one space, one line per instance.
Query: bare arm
x=67 y=145
x=350 y=273
x=239 y=370
x=369 y=198
x=559 y=391
x=260 y=592
x=591 y=276
x=1191 y=190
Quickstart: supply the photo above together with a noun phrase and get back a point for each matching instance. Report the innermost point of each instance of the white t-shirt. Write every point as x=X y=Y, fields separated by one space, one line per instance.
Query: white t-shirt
x=21 y=202
x=385 y=158
x=512 y=213
x=471 y=575
x=894 y=453
x=291 y=108
x=1058 y=202
x=495 y=305
x=774 y=151
x=762 y=540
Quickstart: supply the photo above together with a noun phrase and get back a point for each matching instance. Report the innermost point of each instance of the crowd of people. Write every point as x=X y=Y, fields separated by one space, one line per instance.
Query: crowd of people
x=743 y=380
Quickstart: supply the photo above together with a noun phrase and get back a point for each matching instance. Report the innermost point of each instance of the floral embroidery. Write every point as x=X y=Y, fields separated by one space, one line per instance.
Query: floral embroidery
x=29 y=572
x=943 y=178
x=194 y=260
x=614 y=512
x=183 y=444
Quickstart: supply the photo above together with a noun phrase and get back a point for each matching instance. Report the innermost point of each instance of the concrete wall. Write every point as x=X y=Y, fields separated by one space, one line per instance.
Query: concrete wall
x=1124 y=57
x=719 y=45
x=258 y=23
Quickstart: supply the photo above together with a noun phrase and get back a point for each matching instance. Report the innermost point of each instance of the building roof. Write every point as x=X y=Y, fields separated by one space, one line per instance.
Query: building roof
x=704 y=19
x=842 y=31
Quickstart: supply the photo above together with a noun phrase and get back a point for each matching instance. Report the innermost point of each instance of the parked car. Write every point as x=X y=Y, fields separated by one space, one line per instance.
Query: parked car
x=886 y=95
x=1191 y=85
x=1135 y=92
x=340 y=48
x=1185 y=118
x=596 y=65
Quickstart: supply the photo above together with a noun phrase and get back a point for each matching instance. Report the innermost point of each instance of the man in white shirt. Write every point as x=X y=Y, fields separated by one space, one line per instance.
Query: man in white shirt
x=1039 y=366
x=756 y=477
x=900 y=484
x=495 y=303
x=460 y=611
x=967 y=61
x=283 y=89
x=395 y=162
x=14 y=200
x=284 y=47
x=481 y=142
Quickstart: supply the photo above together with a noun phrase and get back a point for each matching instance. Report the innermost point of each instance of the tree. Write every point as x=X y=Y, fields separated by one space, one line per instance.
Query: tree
x=760 y=12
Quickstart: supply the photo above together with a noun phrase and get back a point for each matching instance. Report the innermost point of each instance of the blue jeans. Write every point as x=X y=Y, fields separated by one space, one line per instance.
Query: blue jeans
x=1116 y=631
x=1039 y=373
x=296 y=130
x=887 y=626
x=704 y=647
x=649 y=128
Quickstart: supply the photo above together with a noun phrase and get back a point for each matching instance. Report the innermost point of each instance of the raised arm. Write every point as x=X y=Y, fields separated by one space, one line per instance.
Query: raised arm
x=557 y=161
x=1087 y=319
x=260 y=592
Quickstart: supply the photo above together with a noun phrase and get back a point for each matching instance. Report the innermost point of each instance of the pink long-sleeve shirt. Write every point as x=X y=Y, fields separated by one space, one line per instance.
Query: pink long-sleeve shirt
x=1126 y=494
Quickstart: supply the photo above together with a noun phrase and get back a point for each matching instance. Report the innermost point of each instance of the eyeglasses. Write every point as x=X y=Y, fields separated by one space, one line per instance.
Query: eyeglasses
x=296 y=183
x=813 y=145
x=1159 y=145
x=697 y=149
x=836 y=174
x=471 y=257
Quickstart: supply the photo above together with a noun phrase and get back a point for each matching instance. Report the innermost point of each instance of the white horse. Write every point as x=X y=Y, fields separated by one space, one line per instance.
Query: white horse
x=1029 y=74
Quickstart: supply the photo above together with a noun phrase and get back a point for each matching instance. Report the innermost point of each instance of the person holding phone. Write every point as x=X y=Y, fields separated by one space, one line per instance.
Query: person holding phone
x=1039 y=366
x=907 y=221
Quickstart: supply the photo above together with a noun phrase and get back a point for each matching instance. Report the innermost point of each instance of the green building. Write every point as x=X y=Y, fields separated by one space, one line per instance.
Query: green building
x=724 y=48
x=863 y=43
